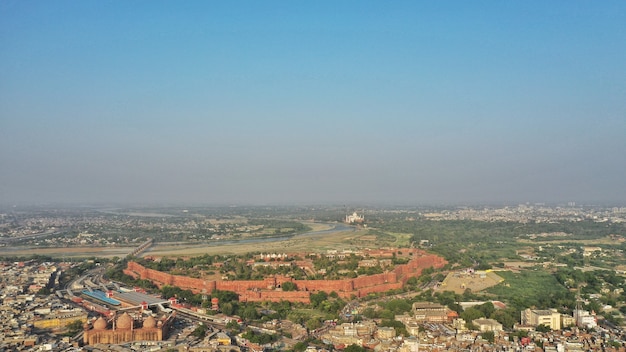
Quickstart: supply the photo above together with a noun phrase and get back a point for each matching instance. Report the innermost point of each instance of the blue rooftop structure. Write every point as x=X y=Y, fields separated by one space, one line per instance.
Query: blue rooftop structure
x=101 y=296
x=135 y=298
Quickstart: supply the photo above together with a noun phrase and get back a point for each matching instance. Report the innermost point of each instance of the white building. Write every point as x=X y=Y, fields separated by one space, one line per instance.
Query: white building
x=534 y=317
x=584 y=319
x=354 y=218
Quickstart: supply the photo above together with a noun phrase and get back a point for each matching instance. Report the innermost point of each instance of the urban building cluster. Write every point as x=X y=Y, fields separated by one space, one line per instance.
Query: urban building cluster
x=525 y=213
x=27 y=319
x=117 y=319
x=30 y=322
x=77 y=228
x=434 y=327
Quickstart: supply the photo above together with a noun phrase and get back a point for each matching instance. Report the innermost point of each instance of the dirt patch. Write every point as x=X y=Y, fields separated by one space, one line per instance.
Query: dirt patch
x=460 y=281
x=517 y=266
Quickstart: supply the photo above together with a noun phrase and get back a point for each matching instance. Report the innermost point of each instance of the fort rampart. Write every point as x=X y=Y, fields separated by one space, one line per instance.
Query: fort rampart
x=269 y=288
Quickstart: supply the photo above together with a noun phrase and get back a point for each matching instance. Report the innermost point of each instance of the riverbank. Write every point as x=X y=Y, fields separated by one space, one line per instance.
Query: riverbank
x=321 y=237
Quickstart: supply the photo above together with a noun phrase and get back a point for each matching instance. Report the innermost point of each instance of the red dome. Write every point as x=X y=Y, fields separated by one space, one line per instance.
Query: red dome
x=150 y=322
x=100 y=324
x=124 y=321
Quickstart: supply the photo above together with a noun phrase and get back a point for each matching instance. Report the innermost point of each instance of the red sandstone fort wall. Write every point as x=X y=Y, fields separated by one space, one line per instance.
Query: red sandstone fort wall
x=380 y=288
x=265 y=290
x=324 y=285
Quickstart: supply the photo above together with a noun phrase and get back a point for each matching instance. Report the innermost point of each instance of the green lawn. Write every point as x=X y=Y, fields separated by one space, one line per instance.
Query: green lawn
x=531 y=288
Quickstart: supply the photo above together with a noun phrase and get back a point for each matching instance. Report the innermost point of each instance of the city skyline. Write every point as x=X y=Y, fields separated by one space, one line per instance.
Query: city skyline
x=325 y=102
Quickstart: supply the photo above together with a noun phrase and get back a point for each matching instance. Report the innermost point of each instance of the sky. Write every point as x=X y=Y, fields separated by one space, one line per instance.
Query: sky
x=285 y=102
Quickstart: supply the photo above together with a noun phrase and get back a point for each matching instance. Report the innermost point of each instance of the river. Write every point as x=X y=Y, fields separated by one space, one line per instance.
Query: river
x=336 y=228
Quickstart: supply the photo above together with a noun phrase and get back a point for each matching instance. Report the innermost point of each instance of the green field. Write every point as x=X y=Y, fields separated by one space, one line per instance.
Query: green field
x=531 y=288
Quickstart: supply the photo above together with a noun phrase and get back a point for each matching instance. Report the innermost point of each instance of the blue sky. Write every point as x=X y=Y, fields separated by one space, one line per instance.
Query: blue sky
x=308 y=102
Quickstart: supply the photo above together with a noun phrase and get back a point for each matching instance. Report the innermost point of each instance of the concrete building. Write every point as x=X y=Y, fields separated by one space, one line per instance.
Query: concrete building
x=430 y=312
x=385 y=333
x=60 y=319
x=534 y=317
x=584 y=319
x=487 y=325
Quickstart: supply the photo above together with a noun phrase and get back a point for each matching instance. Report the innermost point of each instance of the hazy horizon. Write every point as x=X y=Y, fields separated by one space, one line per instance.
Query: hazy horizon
x=324 y=102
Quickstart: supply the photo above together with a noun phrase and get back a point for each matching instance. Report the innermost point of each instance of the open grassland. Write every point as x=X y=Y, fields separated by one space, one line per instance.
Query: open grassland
x=527 y=287
x=323 y=242
x=316 y=226
x=308 y=314
x=402 y=239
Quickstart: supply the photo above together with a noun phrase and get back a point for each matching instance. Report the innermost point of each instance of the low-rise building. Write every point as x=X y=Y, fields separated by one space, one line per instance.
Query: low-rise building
x=535 y=317
x=385 y=333
x=584 y=319
x=60 y=319
x=430 y=312
x=487 y=325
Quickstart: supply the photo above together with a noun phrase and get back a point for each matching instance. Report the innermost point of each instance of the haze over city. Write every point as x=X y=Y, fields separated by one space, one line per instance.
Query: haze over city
x=326 y=101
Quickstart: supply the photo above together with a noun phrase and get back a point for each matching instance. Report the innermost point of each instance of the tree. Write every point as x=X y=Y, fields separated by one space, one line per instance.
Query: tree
x=74 y=326
x=289 y=286
x=446 y=297
x=471 y=313
x=227 y=308
x=470 y=326
x=232 y=325
x=412 y=281
x=397 y=325
x=225 y=296
x=486 y=308
x=506 y=317
x=542 y=328
x=44 y=291
x=318 y=298
x=313 y=324
x=300 y=347
x=250 y=313
x=200 y=331
x=387 y=314
x=354 y=348
x=371 y=313
x=483 y=266
x=259 y=338
x=488 y=335
x=398 y=306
